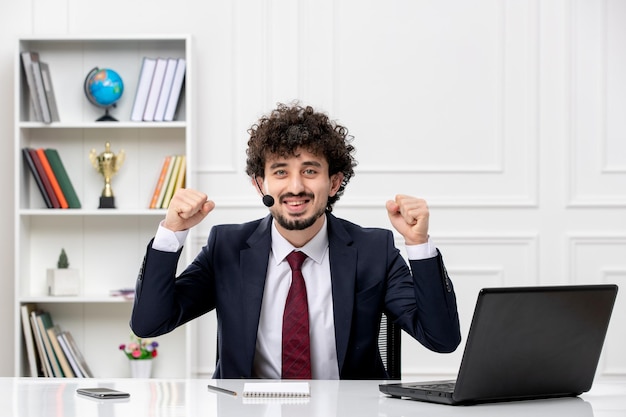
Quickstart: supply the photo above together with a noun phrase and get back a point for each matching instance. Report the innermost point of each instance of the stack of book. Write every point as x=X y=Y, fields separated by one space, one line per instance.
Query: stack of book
x=51 y=177
x=171 y=178
x=42 y=99
x=158 y=89
x=51 y=351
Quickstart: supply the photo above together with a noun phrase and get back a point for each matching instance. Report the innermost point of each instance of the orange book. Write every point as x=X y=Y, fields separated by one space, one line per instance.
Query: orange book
x=53 y=179
x=160 y=182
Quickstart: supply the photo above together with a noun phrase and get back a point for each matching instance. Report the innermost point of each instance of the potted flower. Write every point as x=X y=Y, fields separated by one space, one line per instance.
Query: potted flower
x=63 y=280
x=139 y=352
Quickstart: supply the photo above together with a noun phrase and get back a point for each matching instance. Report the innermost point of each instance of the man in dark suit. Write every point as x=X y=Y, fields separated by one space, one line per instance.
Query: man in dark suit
x=300 y=162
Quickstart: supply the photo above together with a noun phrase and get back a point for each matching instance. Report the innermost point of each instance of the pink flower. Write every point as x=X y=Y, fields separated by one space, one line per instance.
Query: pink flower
x=139 y=348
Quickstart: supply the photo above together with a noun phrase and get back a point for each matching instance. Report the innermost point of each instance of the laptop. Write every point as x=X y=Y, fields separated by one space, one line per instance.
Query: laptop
x=525 y=343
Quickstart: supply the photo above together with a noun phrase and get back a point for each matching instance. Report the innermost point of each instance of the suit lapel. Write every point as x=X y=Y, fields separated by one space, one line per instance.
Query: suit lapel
x=253 y=272
x=343 y=260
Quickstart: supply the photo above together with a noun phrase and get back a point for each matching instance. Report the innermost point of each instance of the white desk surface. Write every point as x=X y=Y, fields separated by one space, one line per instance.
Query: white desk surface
x=42 y=397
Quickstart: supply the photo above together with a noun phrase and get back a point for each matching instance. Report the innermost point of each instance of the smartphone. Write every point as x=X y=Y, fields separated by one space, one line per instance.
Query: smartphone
x=102 y=393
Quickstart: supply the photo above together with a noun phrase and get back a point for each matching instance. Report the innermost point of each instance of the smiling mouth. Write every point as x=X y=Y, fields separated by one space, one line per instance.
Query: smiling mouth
x=296 y=201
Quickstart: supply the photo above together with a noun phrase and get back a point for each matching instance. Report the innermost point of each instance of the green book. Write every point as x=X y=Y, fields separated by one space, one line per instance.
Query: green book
x=44 y=321
x=64 y=180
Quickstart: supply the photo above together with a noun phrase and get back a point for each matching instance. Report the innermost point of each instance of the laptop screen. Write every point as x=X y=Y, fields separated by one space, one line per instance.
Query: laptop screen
x=534 y=341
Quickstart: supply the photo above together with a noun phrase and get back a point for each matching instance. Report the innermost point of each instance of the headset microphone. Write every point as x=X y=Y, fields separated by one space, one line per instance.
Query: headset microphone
x=268 y=200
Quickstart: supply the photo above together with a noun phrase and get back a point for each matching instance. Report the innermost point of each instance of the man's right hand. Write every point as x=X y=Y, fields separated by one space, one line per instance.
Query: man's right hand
x=187 y=208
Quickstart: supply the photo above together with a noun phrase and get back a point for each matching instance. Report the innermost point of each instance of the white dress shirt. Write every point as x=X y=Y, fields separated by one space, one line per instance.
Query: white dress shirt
x=316 y=272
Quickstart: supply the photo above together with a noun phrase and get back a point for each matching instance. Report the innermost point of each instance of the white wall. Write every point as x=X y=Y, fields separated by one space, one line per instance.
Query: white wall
x=507 y=116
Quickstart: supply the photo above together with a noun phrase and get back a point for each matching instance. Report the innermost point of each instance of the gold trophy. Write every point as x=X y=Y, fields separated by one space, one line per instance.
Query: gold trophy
x=107 y=164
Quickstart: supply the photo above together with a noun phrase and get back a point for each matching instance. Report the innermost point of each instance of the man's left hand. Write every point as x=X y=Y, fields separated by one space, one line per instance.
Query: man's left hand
x=409 y=216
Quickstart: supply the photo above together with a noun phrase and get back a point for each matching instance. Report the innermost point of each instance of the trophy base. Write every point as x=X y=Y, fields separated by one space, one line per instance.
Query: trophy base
x=107 y=202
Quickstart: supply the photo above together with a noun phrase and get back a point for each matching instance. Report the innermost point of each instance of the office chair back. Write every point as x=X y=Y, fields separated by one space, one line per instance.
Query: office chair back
x=389 y=339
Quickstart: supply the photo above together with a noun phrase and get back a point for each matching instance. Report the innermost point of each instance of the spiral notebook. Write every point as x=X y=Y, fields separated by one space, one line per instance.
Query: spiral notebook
x=276 y=390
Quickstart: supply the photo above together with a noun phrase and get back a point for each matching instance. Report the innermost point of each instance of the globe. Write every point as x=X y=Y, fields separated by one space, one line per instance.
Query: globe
x=104 y=88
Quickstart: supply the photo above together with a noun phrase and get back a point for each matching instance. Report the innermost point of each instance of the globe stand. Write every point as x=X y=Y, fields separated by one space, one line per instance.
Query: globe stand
x=107 y=117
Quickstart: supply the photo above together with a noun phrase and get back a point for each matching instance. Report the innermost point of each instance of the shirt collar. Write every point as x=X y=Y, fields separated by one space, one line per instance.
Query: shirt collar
x=314 y=249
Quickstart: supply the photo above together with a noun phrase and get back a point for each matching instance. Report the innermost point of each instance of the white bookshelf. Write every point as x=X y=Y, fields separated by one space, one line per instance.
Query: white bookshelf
x=106 y=245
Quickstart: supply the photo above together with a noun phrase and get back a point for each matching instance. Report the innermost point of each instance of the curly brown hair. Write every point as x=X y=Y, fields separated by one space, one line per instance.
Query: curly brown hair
x=288 y=128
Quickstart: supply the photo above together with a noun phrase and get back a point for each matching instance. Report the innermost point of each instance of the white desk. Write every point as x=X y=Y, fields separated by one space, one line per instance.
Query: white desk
x=41 y=397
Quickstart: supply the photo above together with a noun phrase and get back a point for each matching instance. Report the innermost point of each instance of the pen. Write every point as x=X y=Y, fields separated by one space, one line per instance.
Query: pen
x=222 y=390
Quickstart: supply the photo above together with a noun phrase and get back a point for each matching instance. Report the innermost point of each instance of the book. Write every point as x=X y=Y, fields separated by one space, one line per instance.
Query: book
x=53 y=333
x=180 y=179
x=41 y=350
x=44 y=322
x=30 y=81
x=155 y=89
x=52 y=178
x=168 y=175
x=29 y=339
x=41 y=92
x=276 y=389
x=166 y=87
x=33 y=169
x=49 y=90
x=44 y=178
x=160 y=181
x=69 y=355
x=172 y=182
x=175 y=92
x=63 y=178
x=143 y=88
x=77 y=354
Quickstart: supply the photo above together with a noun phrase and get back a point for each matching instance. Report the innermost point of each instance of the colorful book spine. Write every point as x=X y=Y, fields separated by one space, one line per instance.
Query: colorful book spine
x=44 y=178
x=160 y=182
x=172 y=182
x=170 y=168
x=33 y=169
x=63 y=178
x=58 y=350
x=52 y=178
x=180 y=179
x=44 y=321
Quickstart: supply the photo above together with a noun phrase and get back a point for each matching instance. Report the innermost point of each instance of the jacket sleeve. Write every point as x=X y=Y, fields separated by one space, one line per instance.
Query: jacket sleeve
x=428 y=312
x=164 y=301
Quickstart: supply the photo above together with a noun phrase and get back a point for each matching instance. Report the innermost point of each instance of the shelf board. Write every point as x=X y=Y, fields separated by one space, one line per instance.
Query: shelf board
x=121 y=37
x=44 y=212
x=103 y=125
x=79 y=299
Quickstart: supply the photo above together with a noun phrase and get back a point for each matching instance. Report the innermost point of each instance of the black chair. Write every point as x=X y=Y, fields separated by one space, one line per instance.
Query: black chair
x=389 y=339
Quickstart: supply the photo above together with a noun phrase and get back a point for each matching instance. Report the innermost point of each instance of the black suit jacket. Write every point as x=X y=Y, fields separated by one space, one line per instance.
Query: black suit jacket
x=368 y=274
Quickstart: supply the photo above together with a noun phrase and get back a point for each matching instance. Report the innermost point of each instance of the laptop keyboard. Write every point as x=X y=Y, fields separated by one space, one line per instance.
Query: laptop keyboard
x=438 y=386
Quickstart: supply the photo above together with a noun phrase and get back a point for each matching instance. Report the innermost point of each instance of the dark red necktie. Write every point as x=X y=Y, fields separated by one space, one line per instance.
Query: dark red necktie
x=296 y=343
